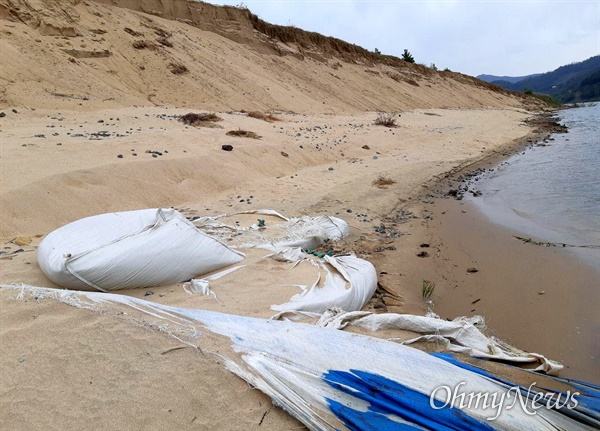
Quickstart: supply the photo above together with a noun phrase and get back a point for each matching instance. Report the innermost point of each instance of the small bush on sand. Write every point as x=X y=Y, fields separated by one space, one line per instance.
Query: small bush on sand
x=164 y=41
x=178 y=68
x=243 y=134
x=387 y=119
x=200 y=120
x=382 y=182
x=263 y=116
x=142 y=44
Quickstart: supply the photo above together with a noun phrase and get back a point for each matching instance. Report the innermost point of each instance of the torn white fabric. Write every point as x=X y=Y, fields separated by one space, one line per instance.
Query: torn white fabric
x=349 y=283
x=460 y=335
x=303 y=232
x=334 y=379
x=202 y=285
x=131 y=249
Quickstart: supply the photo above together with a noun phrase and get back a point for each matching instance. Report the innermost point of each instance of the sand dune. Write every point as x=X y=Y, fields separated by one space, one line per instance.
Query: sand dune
x=87 y=55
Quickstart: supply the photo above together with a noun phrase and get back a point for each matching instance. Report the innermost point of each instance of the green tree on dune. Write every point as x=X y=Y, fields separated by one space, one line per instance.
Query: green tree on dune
x=407 y=56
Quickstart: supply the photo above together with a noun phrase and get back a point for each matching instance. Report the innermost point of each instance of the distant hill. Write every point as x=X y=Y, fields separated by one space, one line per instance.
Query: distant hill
x=576 y=82
x=511 y=79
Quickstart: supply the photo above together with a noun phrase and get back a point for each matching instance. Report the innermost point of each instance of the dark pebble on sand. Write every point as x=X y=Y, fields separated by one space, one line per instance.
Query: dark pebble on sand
x=227 y=147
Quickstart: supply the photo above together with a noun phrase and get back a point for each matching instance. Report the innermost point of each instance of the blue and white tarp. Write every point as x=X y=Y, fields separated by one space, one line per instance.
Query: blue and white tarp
x=331 y=379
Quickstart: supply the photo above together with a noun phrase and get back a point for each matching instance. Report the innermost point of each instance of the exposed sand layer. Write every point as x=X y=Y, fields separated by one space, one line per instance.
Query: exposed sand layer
x=64 y=368
x=87 y=55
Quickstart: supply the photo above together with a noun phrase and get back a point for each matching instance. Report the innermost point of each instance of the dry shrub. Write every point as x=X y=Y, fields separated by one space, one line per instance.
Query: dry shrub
x=165 y=42
x=132 y=32
x=263 y=116
x=200 y=120
x=142 y=44
x=178 y=68
x=243 y=134
x=387 y=119
x=382 y=182
x=395 y=76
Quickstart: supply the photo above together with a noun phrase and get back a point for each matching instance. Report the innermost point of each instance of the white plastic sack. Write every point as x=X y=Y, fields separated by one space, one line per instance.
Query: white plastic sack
x=130 y=249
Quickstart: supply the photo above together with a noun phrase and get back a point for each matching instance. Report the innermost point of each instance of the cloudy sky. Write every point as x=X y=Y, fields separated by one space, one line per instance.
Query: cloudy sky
x=509 y=37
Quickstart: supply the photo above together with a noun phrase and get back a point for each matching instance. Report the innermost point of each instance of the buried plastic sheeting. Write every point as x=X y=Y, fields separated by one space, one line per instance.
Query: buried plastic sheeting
x=334 y=379
x=131 y=249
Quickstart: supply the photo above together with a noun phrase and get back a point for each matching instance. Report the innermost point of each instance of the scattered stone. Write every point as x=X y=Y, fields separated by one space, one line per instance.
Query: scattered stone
x=330 y=168
x=148 y=293
x=366 y=147
x=472 y=270
x=424 y=245
x=284 y=154
x=2 y=114
x=348 y=210
x=22 y=240
x=120 y=156
x=39 y=136
x=423 y=254
x=541 y=292
x=227 y=147
x=15 y=112
x=476 y=301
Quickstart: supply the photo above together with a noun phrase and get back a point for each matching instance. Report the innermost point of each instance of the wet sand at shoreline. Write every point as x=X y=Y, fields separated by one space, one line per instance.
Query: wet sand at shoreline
x=535 y=297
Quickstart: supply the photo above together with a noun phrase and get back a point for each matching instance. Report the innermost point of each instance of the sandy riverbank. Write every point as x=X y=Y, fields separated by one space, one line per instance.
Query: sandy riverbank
x=537 y=298
x=319 y=164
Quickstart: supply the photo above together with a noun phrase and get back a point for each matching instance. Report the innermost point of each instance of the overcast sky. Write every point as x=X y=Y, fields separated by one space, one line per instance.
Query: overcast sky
x=510 y=37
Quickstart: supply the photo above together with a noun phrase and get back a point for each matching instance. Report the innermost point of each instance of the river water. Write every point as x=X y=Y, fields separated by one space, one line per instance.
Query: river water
x=552 y=193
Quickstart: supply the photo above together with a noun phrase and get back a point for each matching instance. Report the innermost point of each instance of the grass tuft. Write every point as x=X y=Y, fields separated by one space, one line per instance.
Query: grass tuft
x=200 y=120
x=243 y=134
x=382 y=182
x=427 y=289
x=263 y=116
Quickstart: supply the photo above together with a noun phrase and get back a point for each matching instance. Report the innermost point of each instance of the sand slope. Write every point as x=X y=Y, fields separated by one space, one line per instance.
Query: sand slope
x=58 y=54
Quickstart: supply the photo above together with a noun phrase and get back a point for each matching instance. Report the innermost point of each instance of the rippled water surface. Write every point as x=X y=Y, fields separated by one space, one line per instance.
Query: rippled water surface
x=552 y=193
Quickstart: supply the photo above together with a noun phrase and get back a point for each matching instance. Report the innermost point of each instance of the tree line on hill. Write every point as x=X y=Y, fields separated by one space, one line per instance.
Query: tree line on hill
x=576 y=82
